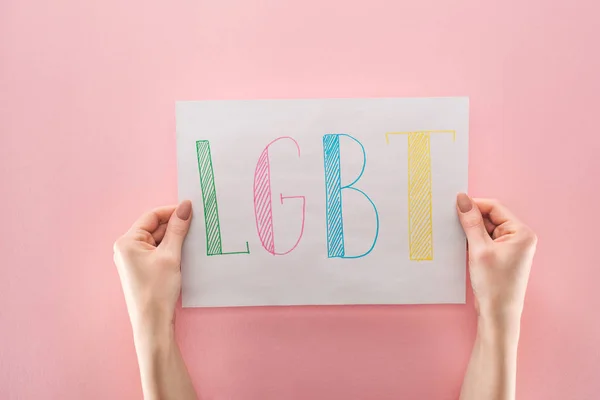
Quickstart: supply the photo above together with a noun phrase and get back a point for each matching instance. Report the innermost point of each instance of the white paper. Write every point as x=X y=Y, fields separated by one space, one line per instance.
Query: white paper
x=315 y=272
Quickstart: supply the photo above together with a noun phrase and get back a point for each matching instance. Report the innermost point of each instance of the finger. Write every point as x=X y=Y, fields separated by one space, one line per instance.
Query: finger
x=178 y=227
x=495 y=211
x=159 y=233
x=471 y=221
x=504 y=229
x=489 y=225
x=150 y=221
x=141 y=235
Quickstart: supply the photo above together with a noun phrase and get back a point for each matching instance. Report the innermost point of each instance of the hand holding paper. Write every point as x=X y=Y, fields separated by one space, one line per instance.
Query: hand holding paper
x=500 y=253
x=148 y=259
x=501 y=250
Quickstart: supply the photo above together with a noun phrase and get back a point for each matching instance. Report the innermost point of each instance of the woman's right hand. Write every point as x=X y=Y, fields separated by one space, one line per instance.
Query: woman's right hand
x=501 y=250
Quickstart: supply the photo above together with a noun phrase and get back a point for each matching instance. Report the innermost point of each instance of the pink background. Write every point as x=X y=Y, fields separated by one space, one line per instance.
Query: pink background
x=87 y=92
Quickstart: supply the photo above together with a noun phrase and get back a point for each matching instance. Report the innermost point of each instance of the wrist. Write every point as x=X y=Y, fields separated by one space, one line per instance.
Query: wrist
x=149 y=334
x=499 y=315
x=504 y=329
x=151 y=324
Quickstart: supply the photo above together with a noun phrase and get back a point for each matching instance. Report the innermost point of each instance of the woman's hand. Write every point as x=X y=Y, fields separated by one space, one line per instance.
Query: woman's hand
x=501 y=250
x=148 y=259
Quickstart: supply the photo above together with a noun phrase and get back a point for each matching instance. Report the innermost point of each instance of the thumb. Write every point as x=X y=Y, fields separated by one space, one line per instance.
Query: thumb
x=178 y=227
x=471 y=220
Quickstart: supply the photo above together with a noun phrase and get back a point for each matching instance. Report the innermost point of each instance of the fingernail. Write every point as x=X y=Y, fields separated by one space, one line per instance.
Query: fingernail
x=464 y=203
x=184 y=210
